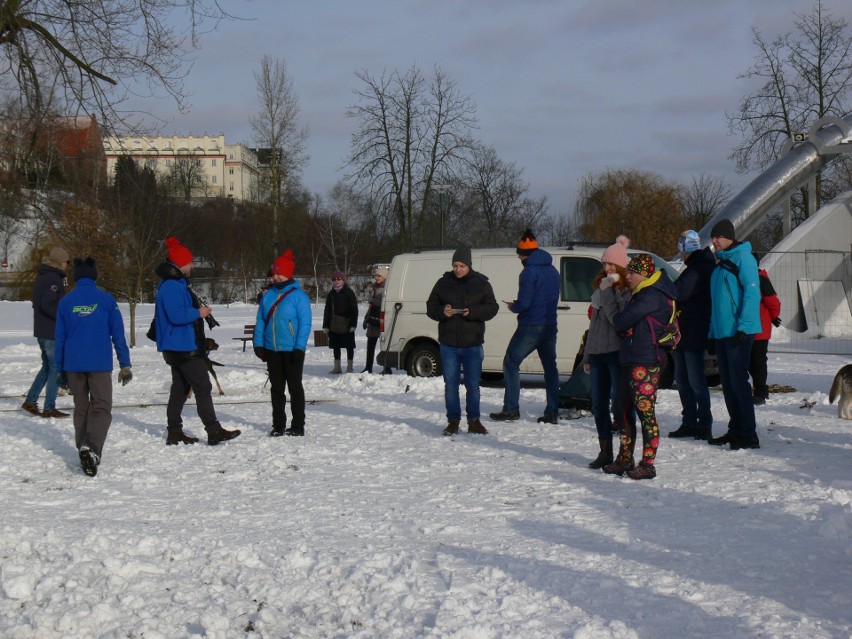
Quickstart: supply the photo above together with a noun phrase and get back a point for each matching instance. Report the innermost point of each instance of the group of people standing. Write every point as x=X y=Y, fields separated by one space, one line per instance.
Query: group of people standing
x=726 y=307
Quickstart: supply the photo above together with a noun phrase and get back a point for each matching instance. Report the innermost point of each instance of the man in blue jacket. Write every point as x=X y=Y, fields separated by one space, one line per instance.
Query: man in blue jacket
x=88 y=327
x=179 y=329
x=539 y=290
x=280 y=339
x=734 y=321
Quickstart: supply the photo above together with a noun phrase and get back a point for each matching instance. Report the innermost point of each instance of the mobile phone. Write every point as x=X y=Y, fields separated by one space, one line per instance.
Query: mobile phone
x=458 y=310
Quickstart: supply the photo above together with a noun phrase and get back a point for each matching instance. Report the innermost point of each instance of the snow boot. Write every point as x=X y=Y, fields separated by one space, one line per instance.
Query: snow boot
x=618 y=468
x=452 y=428
x=276 y=432
x=505 y=416
x=475 y=426
x=89 y=461
x=643 y=471
x=177 y=436
x=295 y=431
x=683 y=431
x=604 y=458
x=31 y=408
x=336 y=370
x=216 y=434
x=349 y=366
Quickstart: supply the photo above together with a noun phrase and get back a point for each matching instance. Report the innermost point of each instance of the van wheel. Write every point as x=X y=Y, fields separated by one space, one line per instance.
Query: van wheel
x=424 y=361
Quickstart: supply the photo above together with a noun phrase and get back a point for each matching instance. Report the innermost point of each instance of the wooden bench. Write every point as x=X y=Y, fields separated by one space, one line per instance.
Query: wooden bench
x=248 y=335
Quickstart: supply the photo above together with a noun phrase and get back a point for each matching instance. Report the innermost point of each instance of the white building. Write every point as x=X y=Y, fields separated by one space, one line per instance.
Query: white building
x=227 y=170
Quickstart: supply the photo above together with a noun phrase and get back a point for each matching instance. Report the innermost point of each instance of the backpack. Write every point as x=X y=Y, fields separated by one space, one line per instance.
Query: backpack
x=666 y=335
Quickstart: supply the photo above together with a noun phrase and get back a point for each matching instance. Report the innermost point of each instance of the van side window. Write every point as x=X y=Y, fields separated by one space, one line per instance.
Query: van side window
x=578 y=273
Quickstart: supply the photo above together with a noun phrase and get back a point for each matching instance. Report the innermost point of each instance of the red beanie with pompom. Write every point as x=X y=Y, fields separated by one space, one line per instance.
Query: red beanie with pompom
x=285 y=265
x=178 y=255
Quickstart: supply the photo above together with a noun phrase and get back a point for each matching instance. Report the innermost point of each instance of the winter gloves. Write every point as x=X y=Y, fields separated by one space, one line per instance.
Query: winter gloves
x=260 y=353
x=125 y=375
x=739 y=338
x=62 y=380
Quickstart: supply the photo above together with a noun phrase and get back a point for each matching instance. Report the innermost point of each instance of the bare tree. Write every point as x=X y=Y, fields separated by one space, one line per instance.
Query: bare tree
x=279 y=138
x=186 y=175
x=702 y=198
x=409 y=131
x=94 y=55
x=803 y=76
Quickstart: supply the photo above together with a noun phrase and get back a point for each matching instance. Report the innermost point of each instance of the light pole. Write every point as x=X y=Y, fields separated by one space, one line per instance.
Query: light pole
x=442 y=190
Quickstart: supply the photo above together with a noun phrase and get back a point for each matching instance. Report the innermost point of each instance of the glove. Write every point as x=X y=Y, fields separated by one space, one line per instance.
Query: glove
x=776 y=322
x=351 y=329
x=711 y=346
x=364 y=323
x=297 y=357
x=125 y=375
x=605 y=284
x=62 y=380
x=325 y=330
x=739 y=338
x=260 y=353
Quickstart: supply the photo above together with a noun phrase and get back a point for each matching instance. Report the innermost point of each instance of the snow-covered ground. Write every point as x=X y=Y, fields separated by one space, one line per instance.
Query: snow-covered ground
x=375 y=525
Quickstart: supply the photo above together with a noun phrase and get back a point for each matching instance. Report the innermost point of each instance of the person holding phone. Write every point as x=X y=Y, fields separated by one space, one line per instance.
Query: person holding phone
x=461 y=301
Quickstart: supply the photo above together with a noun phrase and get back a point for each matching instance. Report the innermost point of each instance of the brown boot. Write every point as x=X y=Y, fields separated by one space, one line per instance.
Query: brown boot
x=217 y=434
x=52 y=412
x=475 y=426
x=604 y=458
x=31 y=408
x=452 y=428
x=177 y=436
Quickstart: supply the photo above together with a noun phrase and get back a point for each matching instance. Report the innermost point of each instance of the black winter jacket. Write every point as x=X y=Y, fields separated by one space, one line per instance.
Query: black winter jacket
x=340 y=302
x=693 y=299
x=473 y=292
x=48 y=289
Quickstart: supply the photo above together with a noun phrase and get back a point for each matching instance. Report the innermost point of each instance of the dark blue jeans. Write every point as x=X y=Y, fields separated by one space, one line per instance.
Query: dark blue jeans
x=733 y=369
x=692 y=388
x=46 y=376
x=604 y=371
x=453 y=359
x=527 y=339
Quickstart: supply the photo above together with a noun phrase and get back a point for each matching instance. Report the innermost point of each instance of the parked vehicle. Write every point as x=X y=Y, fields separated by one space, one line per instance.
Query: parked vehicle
x=410 y=339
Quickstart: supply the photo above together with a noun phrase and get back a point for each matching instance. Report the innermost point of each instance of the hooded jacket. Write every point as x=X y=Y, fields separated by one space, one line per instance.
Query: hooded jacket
x=693 y=299
x=639 y=342
x=770 y=306
x=175 y=314
x=736 y=296
x=48 y=289
x=539 y=290
x=473 y=292
x=290 y=325
x=89 y=325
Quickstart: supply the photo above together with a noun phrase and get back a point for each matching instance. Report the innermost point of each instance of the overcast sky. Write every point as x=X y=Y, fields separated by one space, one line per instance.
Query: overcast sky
x=562 y=88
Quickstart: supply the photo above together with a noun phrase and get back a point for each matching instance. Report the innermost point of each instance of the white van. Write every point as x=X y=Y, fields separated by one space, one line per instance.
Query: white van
x=409 y=338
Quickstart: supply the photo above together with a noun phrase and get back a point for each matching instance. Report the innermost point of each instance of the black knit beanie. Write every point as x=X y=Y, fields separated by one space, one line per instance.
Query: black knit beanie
x=85 y=268
x=462 y=255
x=724 y=228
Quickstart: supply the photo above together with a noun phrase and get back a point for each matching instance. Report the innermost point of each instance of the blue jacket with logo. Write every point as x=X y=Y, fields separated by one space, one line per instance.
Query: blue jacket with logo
x=736 y=297
x=290 y=325
x=88 y=327
x=539 y=290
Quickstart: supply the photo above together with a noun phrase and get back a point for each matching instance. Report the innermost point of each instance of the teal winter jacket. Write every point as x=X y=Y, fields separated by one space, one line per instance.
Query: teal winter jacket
x=735 y=295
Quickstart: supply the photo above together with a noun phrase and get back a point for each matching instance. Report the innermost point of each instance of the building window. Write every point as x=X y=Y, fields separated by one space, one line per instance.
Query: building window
x=231 y=170
x=231 y=187
x=213 y=162
x=213 y=180
x=168 y=162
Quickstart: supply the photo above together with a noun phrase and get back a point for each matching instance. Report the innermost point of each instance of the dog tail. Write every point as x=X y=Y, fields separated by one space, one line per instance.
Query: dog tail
x=212 y=363
x=834 y=393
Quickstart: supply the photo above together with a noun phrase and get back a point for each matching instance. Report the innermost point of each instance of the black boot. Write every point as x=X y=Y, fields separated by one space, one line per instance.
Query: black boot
x=604 y=458
x=177 y=436
x=683 y=431
x=216 y=434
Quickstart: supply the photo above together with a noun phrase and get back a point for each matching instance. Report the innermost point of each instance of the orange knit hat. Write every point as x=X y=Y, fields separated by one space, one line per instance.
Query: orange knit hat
x=527 y=244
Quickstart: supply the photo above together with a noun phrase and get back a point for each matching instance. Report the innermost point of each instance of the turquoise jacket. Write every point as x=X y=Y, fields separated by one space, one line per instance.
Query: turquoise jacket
x=289 y=326
x=736 y=296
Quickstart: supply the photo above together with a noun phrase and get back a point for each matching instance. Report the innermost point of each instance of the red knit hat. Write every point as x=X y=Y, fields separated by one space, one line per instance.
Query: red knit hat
x=285 y=265
x=178 y=255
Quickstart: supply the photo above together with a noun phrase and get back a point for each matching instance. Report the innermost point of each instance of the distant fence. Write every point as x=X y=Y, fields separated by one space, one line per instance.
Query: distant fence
x=815 y=289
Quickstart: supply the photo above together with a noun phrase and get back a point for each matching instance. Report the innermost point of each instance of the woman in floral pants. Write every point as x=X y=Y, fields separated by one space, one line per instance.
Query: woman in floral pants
x=642 y=362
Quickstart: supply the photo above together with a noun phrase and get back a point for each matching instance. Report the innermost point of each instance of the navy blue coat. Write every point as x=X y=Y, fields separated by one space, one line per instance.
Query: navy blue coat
x=48 y=289
x=694 y=300
x=539 y=290
x=639 y=344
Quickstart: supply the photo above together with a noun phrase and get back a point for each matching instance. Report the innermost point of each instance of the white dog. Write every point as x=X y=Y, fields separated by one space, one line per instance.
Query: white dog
x=841 y=390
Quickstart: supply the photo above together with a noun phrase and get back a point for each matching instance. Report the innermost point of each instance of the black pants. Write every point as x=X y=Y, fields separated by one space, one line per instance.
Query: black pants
x=371 y=352
x=757 y=368
x=191 y=373
x=285 y=370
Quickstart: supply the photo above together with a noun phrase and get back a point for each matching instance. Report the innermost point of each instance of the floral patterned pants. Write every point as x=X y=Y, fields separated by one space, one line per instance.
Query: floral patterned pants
x=637 y=388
